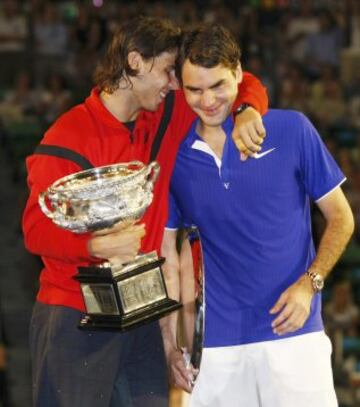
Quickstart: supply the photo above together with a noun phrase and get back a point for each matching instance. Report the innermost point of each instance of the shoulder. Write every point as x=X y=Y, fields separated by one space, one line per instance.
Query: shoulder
x=290 y=121
x=286 y=115
x=71 y=127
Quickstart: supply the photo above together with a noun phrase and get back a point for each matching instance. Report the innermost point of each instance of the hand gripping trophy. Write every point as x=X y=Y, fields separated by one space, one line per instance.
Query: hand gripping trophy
x=116 y=296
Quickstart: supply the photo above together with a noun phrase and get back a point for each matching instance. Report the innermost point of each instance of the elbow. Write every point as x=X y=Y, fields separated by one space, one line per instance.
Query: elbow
x=30 y=238
x=28 y=244
x=351 y=226
x=348 y=224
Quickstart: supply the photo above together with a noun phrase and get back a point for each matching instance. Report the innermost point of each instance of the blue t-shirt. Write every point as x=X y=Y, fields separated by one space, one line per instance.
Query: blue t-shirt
x=254 y=222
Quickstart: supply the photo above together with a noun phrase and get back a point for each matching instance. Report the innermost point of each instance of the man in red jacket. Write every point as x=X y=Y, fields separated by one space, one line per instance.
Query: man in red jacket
x=116 y=123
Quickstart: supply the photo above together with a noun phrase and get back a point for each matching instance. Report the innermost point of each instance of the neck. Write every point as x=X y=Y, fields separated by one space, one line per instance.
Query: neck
x=121 y=104
x=214 y=136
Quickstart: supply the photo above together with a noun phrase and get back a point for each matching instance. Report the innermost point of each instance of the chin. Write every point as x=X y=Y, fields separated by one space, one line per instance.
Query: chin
x=213 y=121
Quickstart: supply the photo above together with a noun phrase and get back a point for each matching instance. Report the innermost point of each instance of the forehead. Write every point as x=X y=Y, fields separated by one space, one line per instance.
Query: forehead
x=199 y=76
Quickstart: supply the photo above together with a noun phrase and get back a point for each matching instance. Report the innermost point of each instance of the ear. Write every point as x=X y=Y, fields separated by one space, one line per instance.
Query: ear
x=239 y=73
x=135 y=61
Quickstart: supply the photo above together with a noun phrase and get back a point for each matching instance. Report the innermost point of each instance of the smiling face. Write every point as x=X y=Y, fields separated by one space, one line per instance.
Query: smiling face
x=155 y=79
x=210 y=92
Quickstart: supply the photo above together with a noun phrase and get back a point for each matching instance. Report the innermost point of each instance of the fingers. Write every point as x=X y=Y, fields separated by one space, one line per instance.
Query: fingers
x=248 y=137
x=117 y=227
x=182 y=376
x=243 y=157
x=117 y=246
x=292 y=307
x=260 y=130
x=280 y=303
x=247 y=140
x=290 y=320
x=255 y=136
x=292 y=315
x=245 y=153
x=183 y=380
x=282 y=321
x=249 y=132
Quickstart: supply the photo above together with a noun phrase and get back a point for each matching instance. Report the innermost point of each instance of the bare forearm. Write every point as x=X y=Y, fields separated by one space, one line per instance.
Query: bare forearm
x=333 y=243
x=170 y=268
x=168 y=326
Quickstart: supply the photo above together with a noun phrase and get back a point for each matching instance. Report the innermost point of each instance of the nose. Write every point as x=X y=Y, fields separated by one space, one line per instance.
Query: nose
x=208 y=99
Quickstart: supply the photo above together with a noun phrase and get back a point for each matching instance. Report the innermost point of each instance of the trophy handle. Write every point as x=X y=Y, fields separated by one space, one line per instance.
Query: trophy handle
x=153 y=170
x=43 y=205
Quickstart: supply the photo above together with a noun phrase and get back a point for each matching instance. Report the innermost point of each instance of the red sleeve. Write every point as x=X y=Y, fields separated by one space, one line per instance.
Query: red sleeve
x=41 y=236
x=252 y=91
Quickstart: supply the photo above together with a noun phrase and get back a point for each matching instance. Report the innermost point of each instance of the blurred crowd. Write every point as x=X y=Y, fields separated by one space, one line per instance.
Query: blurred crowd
x=307 y=53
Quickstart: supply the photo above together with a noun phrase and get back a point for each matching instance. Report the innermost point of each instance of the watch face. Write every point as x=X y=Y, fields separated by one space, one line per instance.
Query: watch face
x=318 y=283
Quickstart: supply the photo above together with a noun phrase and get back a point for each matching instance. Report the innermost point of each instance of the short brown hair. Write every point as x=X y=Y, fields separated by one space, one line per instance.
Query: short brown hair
x=149 y=36
x=208 y=45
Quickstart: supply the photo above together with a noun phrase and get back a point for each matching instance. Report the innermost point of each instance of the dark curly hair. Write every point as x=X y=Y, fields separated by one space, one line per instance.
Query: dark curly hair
x=149 y=36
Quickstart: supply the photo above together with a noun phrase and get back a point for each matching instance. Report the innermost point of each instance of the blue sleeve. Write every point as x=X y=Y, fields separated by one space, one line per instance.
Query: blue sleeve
x=175 y=220
x=320 y=172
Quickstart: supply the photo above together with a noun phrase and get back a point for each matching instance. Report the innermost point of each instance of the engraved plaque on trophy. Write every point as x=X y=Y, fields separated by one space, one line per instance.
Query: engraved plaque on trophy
x=116 y=296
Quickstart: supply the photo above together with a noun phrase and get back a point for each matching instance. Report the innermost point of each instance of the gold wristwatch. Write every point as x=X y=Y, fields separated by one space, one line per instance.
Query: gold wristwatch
x=317 y=281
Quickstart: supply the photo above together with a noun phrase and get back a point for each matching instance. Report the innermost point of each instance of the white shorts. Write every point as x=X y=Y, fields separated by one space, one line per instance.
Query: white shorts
x=291 y=372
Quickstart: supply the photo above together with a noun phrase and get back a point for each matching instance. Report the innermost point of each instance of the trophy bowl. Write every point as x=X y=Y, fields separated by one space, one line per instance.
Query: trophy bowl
x=116 y=296
x=100 y=197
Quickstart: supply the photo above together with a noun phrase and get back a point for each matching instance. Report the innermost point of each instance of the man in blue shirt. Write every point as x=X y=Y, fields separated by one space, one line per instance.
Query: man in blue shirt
x=264 y=341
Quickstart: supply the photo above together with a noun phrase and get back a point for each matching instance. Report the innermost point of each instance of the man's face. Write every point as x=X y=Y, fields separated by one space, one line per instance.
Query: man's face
x=155 y=79
x=210 y=92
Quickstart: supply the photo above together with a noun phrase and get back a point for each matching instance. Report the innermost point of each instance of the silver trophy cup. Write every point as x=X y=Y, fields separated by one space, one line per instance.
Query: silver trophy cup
x=116 y=296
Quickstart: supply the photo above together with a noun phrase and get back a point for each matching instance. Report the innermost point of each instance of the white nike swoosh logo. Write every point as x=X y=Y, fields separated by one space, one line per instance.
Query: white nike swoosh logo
x=259 y=155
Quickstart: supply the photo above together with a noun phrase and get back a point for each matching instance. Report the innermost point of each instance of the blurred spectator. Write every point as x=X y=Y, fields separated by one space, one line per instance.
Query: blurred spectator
x=255 y=64
x=327 y=105
x=341 y=319
x=54 y=99
x=89 y=35
x=354 y=111
x=20 y=102
x=349 y=159
x=352 y=92
x=13 y=35
x=89 y=31
x=301 y=24
x=324 y=46
x=249 y=36
x=51 y=41
x=341 y=313
x=187 y=13
x=355 y=25
x=294 y=89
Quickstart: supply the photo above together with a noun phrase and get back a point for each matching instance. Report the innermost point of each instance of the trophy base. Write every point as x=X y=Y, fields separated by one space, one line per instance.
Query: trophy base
x=123 y=323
